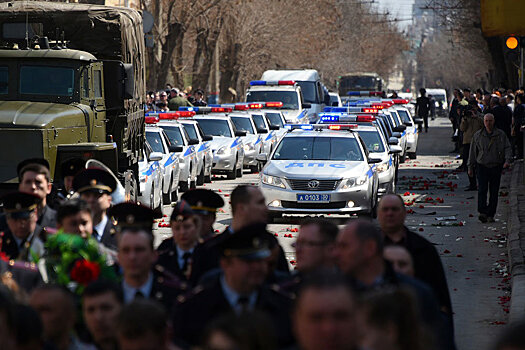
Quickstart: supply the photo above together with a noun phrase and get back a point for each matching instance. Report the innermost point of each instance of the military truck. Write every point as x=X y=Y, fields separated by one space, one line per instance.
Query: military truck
x=72 y=84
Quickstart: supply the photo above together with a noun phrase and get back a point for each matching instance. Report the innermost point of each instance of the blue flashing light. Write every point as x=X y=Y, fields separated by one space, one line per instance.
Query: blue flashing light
x=299 y=126
x=257 y=83
x=194 y=109
x=328 y=118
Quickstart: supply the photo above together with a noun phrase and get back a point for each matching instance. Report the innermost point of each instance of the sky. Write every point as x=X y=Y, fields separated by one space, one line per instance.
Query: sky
x=401 y=9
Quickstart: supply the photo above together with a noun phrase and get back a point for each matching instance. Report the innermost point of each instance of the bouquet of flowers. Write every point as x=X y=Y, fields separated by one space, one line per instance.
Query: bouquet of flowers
x=74 y=262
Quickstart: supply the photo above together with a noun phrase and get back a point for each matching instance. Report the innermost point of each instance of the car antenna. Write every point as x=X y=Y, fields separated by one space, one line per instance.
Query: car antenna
x=27 y=30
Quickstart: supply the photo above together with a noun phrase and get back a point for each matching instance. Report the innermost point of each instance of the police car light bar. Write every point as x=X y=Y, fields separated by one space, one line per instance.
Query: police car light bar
x=268 y=83
x=202 y=110
x=151 y=120
x=342 y=126
x=400 y=101
x=291 y=127
x=276 y=104
x=365 y=118
x=365 y=93
x=255 y=105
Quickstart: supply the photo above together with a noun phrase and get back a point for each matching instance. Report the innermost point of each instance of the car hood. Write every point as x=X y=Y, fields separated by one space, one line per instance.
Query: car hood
x=250 y=138
x=311 y=169
x=40 y=114
x=219 y=141
x=292 y=115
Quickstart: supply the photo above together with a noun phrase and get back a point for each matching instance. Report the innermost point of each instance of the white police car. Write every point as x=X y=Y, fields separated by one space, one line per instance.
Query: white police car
x=150 y=178
x=266 y=131
x=275 y=119
x=170 y=160
x=204 y=153
x=253 y=144
x=227 y=146
x=317 y=170
x=411 y=131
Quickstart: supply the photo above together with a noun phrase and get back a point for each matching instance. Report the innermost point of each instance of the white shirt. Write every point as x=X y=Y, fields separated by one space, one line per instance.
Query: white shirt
x=99 y=228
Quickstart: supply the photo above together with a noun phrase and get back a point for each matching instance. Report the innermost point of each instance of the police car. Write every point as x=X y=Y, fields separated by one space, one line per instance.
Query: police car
x=266 y=131
x=227 y=146
x=204 y=155
x=316 y=169
x=412 y=130
x=178 y=137
x=275 y=118
x=150 y=178
x=286 y=91
x=253 y=144
x=159 y=142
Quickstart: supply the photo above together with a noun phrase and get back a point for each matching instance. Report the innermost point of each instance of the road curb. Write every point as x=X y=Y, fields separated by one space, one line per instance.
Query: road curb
x=515 y=245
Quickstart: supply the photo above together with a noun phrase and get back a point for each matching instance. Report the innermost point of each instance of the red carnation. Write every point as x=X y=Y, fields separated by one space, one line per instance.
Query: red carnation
x=85 y=272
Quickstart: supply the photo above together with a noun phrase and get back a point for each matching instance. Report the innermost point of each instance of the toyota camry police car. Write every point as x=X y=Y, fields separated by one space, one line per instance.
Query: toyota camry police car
x=150 y=178
x=227 y=146
x=204 y=154
x=253 y=144
x=315 y=169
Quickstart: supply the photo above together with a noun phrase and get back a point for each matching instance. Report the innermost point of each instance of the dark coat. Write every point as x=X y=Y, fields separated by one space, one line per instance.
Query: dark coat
x=46 y=220
x=210 y=254
x=427 y=265
x=25 y=274
x=193 y=314
x=503 y=119
x=9 y=246
x=109 y=239
x=169 y=259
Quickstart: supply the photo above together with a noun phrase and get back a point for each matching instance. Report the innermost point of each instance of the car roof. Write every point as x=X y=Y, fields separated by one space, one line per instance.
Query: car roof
x=153 y=128
x=367 y=127
x=212 y=116
x=299 y=75
x=168 y=123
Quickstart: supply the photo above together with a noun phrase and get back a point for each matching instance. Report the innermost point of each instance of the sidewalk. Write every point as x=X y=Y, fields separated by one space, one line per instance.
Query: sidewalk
x=516 y=242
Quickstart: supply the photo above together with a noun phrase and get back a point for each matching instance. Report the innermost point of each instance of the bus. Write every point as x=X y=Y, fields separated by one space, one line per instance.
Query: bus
x=359 y=81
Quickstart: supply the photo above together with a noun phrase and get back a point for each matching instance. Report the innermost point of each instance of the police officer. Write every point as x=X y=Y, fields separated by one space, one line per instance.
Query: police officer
x=95 y=187
x=178 y=253
x=205 y=204
x=141 y=278
x=20 y=241
x=70 y=168
x=239 y=289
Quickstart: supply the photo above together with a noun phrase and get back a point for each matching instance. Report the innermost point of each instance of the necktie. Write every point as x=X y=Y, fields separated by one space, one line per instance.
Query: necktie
x=186 y=264
x=139 y=294
x=243 y=304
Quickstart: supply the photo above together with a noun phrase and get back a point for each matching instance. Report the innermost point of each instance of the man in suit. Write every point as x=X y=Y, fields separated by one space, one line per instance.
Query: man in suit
x=95 y=187
x=205 y=204
x=177 y=253
x=239 y=289
x=20 y=241
x=141 y=278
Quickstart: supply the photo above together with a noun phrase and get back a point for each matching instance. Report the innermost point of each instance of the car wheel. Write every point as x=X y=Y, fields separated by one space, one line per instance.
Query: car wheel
x=239 y=172
x=272 y=217
x=412 y=155
x=152 y=198
x=161 y=201
x=200 y=177
x=254 y=169
x=183 y=186
x=167 y=197
x=230 y=175
x=402 y=158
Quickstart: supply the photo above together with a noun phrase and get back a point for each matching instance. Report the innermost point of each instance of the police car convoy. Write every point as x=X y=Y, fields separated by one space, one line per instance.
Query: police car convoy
x=341 y=164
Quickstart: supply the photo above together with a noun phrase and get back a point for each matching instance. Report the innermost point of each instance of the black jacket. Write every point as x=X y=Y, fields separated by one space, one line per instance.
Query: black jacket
x=193 y=314
x=109 y=238
x=169 y=259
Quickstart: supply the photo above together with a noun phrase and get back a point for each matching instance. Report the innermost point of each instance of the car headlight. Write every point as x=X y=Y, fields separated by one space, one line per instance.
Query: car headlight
x=224 y=150
x=272 y=181
x=382 y=167
x=249 y=147
x=354 y=181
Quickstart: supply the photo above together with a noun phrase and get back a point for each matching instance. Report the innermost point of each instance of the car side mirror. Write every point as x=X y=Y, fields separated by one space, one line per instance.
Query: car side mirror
x=393 y=141
x=408 y=123
x=262 y=131
x=193 y=142
x=155 y=156
x=175 y=149
x=394 y=149
x=335 y=104
x=240 y=133
x=262 y=157
x=274 y=127
x=307 y=105
x=400 y=128
x=396 y=134
x=418 y=121
x=374 y=160
x=207 y=138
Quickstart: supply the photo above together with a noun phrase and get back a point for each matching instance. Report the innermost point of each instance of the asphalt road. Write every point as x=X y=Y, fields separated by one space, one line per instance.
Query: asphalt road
x=473 y=254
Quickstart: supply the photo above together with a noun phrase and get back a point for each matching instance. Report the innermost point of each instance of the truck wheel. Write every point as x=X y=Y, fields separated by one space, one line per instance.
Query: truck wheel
x=230 y=175
x=200 y=177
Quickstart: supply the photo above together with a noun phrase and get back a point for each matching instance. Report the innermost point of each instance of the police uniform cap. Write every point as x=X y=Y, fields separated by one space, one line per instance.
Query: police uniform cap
x=249 y=243
x=132 y=215
x=28 y=161
x=181 y=211
x=72 y=166
x=94 y=179
x=19 y=205
x=203 y=201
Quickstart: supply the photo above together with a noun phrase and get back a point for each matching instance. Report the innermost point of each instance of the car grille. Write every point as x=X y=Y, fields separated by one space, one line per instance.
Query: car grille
x=296 y=205
x=324 y=185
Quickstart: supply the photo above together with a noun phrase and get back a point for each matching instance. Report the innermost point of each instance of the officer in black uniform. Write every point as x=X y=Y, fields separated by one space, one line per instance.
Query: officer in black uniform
x=19 y=240
x=205 y=204
x=141 y=277
x=177 y=254
x=239 y=289
x=69 y=169
x=95 y=187
x=25 y=274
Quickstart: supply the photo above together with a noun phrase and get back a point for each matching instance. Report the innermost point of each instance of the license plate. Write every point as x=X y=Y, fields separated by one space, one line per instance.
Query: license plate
x=319 y=198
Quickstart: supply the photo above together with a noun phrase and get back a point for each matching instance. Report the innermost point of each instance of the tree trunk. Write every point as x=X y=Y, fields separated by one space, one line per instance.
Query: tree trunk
x=499 y=76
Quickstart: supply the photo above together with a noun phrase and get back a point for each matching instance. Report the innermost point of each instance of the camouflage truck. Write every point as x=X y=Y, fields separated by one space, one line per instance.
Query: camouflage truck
x=72 y=84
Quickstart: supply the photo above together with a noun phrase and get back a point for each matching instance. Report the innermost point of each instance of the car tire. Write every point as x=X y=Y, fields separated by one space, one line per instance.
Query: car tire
x=239 y=172
x=272 y=217
x=166 y=198
x=183 y=186
x=231 y=175
x=402 y=158
x=254 y=169
x=152 y=198
x=174 y=196
x=161 y=202
x=412 y=155
x=200 y=177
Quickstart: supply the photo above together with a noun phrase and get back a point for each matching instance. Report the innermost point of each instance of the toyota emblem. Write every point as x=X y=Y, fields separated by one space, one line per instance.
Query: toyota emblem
x=313 y=184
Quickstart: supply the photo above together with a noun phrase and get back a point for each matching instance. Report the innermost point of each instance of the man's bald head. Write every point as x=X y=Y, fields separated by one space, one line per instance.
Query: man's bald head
x=391 y=213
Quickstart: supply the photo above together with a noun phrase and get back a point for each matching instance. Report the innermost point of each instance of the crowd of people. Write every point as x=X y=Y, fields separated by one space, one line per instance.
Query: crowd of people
x=171 y=98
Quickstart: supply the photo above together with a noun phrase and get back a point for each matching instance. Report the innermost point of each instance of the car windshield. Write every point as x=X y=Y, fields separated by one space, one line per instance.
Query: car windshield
x=372 y=141
x=318 y=148
x=174 y=135
x=288 y=98
x=155 y=141
x=309 y=90
x=191 y=131
x=275 y=119
x=334 y=99
x=404 y=116
x=259 y=121
x=215 y=127
x=243 y=124
x=47 y=80
x=396 y=117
